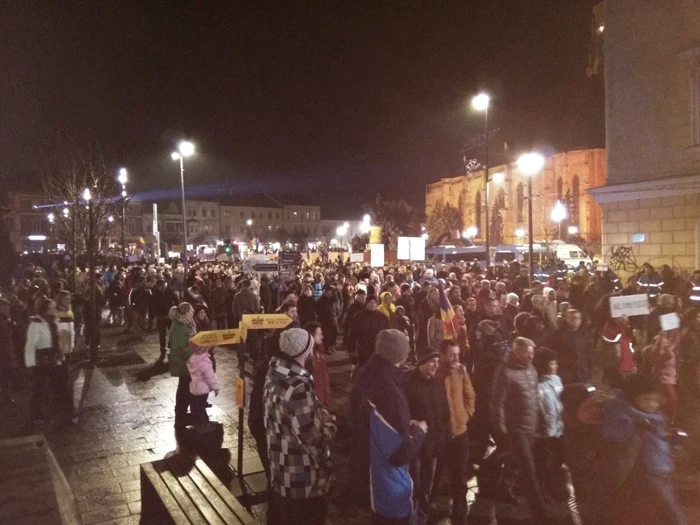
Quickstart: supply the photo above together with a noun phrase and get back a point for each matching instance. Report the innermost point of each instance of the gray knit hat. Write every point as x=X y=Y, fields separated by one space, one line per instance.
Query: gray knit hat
x=392 y=345
x=295 y=342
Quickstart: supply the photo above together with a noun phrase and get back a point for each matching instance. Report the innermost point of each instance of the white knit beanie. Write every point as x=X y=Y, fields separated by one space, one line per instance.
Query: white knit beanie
x=392 y=345
x=296 y=342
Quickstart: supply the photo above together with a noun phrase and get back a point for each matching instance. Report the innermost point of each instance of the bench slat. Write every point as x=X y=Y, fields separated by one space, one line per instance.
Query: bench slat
x=183 y=500
x=157 y=485
x=241 y=513
x=200 y=497
x=212 y=495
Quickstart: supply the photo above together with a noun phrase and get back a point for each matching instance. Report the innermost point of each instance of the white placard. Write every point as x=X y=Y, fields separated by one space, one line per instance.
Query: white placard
x=602 y=267
x=376 y=255
x=670 y=321
x=403 y=249
x=357 y=257
x=629 y=305
x=410 y=249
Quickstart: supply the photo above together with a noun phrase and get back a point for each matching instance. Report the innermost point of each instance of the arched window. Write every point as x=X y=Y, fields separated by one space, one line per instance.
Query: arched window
x=204 y=212
x=575 y=198
x=501 y=199
x=477 y=210
x=521 y=201
x=560 y=189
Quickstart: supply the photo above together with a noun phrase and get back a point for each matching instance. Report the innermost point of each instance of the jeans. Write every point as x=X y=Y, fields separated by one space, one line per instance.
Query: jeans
x=163 y=324
x=423 y=475
x=520 y=465
x=199 y=408
x=45 y=394
x=183 y=398
x=455 y=460
x=288 y=511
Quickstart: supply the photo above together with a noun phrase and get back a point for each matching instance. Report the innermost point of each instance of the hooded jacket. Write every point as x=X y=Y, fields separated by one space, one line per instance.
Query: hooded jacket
x=180 y=333
x=202 y=373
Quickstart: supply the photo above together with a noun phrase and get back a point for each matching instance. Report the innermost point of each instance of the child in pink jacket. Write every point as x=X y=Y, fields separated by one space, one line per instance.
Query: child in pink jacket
x=203 y=381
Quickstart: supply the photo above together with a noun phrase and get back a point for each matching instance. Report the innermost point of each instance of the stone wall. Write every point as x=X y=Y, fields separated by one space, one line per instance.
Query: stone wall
x=668 y=223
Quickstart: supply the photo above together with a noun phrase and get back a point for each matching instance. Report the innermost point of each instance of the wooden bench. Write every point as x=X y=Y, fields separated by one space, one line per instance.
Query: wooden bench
x=33 y=489
x=182 y=489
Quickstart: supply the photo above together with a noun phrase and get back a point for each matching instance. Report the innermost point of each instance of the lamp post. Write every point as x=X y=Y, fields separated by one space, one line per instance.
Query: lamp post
x=122 y=180
x=559 y=214
x=481 y=103
x=520 y=233
x=530 y=164
x=184 y=149
x=341 y=231
x=249 y=222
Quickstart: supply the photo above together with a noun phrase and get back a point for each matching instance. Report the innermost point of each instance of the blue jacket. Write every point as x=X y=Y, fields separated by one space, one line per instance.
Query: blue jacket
x=384 y=440
x=621 y=421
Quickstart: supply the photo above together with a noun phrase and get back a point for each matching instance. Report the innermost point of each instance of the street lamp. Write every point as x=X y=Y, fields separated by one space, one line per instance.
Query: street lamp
x=365 y=225
x=558 y=214
x=498 y=177
x=87 y=195
x=530 y=164
x=51 y=217
x=341 y=231
x=184 y=149
x=481 y=103
x=123 y=178
x=470 y=232
x=573 y=230
x=520 y=233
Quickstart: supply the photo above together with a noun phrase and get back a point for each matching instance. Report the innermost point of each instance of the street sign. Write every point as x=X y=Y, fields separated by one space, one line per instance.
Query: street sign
x=629 y=305
x=217 y=338
x=265 y=321
x=240 y=392
x=289 y=258
x=266 y=267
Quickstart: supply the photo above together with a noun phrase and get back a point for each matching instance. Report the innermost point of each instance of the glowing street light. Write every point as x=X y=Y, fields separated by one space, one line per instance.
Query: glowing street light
x=481 y=102
x=470 y=232
x=573 y=230
x=425 y=236
x=520 y=233
x=66 y=212
x=498 y=177
x=51 y=217
x=530 y=164
x=366 y=218
x=110 y=219
x=249 y=222
x=122 y=178
x=87 y=195
x=558 y=214
x=184 y=149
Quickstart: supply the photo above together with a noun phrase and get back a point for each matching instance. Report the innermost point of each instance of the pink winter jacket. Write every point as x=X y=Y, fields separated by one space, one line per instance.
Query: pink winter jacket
x=202 y=374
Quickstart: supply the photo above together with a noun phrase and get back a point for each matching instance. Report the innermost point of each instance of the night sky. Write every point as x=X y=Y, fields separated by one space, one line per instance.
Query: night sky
x=329 y=101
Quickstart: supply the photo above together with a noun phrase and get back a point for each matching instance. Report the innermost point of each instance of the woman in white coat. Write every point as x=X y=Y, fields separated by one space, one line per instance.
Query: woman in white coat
x=42 y=354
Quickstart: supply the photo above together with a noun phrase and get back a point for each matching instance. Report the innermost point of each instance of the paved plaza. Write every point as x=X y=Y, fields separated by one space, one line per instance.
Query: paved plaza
x=126 y=418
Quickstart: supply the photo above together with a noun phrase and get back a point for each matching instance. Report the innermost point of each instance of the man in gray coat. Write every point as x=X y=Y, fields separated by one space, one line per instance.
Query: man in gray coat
x=515 y=412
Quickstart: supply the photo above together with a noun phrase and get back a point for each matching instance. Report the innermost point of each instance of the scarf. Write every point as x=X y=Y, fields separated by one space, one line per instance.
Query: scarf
x=189 y=323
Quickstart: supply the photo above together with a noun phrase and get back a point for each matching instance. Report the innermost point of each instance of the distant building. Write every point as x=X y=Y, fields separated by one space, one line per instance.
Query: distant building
x=566 y=175
x=26 y=224
x=651 y=201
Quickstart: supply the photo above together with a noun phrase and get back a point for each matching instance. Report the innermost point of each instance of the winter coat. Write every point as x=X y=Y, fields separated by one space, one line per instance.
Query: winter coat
x=436 y=333
x=66 y=331
x=116 y=298
x=550 y=389
x=202 y=373
x=572 y=350
x=363 y=332
x=307 y=309
x=664 y=354
x=515 y=403
x=384 y=440
x=162 y=301
x=180 y=351
x=217 y=302
x=427 y=401
x=39 y=337
x=300 y=459
x=8 y=356
x=139 y=297
x=245 y=302
x=322 y=380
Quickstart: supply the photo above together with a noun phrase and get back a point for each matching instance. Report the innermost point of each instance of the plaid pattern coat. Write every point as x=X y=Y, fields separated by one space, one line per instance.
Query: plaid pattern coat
x=300 y=459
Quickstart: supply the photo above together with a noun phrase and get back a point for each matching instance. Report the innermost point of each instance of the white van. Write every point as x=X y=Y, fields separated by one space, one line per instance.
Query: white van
x=570 y=254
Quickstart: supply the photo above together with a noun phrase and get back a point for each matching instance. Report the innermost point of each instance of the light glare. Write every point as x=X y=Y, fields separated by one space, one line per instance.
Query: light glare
x=481 y=102
x=530 y=163
x=498 y=178
x=185 y=148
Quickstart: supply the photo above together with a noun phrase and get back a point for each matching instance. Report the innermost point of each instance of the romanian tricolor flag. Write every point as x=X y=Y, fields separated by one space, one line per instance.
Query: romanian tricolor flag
x=447 y=314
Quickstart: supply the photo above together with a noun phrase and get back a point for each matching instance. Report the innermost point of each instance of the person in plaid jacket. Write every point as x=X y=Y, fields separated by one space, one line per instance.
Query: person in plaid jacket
x=298 y=431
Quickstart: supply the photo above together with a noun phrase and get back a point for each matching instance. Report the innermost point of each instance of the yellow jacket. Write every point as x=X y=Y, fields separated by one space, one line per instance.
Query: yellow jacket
x=461 y=397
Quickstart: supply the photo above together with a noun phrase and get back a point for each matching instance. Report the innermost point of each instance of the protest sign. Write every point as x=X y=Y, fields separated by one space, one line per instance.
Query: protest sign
x=629 y=305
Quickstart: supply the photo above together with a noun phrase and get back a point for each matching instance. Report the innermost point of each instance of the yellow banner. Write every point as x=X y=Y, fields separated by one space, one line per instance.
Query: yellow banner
x=266 y=321
x=217 y=337
x=240 y=392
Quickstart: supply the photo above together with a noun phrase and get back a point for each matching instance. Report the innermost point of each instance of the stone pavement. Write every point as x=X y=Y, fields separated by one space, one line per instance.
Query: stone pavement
x=126 y=418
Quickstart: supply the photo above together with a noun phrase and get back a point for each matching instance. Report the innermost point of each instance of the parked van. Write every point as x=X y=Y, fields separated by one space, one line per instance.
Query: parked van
x=450 y=253
x=570 y=254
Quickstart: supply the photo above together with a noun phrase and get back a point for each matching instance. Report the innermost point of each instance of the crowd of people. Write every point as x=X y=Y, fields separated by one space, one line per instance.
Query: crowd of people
x=458 y=371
